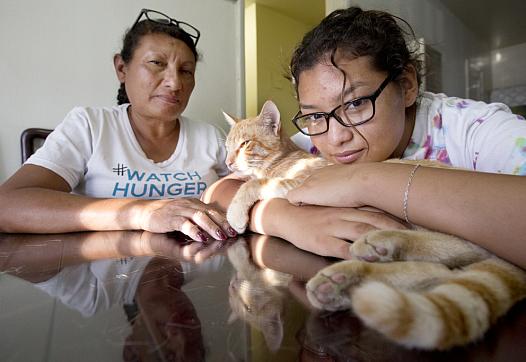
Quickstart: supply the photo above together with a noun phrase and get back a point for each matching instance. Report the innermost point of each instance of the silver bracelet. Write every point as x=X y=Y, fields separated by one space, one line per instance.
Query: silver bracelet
x=406 y=193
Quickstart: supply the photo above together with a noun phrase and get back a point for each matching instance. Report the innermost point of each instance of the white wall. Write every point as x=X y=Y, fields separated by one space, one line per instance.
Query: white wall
x=507 y=66
x=57 y=54
x=440 y=29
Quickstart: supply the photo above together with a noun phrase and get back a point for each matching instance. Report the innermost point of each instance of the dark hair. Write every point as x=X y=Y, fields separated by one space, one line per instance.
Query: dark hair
x=355 y=33
x=133 y=36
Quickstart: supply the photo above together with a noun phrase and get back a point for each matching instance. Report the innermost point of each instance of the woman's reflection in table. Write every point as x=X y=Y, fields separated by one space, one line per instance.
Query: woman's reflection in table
x=163 y=322
x=166 y=322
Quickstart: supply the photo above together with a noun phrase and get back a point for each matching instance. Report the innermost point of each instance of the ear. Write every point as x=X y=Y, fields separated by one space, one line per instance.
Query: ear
x=270 y=116
x=230 y=120
x=272 y=329
x=232 y=318
x=410 y=85
x=120 y=67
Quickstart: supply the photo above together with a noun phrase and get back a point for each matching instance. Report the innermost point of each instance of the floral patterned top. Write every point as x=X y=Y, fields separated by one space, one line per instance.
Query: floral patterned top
x=468 y=134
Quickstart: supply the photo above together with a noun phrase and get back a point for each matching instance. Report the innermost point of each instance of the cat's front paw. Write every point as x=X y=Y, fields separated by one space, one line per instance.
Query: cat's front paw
x=379 y=245
x=237 y=218
x=330 y=288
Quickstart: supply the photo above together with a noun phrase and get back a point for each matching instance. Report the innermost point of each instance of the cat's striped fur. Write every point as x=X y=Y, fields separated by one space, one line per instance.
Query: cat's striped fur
x=419 y=288
x=255 y=294
x=271 y=163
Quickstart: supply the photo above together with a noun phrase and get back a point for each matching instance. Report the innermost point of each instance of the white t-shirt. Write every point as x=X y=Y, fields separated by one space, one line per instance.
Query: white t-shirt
x=468 y=134
x=93 y=287
x=95 y=150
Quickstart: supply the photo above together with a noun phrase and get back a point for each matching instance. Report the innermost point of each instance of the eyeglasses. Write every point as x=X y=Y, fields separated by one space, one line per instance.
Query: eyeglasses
x=160 y=18
x=352 y=113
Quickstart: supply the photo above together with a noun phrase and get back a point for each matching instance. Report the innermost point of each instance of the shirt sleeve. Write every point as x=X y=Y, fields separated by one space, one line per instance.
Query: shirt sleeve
x=68 y=148
x=497 y=141
x=302 y=141
x=221 y=169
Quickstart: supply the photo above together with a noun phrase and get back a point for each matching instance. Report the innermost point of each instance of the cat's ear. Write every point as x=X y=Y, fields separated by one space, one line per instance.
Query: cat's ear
x=230 y=120
x=270 y=116
x=272 y=329
x=232 y=318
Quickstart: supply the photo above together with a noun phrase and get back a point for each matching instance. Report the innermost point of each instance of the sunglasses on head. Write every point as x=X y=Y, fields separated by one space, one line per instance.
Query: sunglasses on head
x=160 y=18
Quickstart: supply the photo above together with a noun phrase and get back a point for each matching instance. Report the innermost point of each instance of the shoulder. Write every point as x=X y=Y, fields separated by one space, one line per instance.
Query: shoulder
x=93 y=117
x=304 y=142
x=94 y=120
x=98 y=114
x=458 y=107
x=441 y=112
x=202 y=129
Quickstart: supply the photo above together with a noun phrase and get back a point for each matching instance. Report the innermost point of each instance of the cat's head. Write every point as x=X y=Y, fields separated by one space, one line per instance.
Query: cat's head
x=252 y=140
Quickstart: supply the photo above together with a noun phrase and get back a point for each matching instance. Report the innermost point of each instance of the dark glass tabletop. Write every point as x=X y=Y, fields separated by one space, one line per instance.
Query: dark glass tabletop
x=137 y=296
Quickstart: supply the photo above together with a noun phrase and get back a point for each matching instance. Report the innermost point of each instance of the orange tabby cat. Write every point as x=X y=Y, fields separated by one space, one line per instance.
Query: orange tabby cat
x=273 y=164
x=419 y=288
x=255 y=294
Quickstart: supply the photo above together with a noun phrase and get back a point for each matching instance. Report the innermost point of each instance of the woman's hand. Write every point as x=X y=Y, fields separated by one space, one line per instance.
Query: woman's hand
x=337 y=185
x=325 y=231
x=176 y=246
x=188 y=215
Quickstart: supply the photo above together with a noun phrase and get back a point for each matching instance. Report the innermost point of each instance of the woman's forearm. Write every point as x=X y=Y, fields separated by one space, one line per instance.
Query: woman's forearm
x=262 y=220
x=276 y=254
x=38 y=257
x=485 y=208
x=318 y=229
x=37 y=210
x=221 y=193
x=265 y=217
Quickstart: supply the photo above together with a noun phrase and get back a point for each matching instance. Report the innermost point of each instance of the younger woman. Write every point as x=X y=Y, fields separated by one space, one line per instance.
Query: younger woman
x=357 y=85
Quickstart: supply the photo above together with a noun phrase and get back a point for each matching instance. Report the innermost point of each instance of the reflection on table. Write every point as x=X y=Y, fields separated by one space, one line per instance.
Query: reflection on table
x=137 y=296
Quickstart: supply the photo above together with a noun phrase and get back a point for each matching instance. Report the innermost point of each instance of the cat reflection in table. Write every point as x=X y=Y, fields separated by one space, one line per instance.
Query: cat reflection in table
x=267 y=270
x=256 y=295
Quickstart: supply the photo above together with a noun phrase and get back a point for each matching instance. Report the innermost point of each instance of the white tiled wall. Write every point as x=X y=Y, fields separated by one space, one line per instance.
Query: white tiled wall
x=440 y=29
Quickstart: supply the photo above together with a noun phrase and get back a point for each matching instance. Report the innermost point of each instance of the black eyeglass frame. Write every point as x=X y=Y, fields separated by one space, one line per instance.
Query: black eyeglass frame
x=329 y=115
x=195 y=37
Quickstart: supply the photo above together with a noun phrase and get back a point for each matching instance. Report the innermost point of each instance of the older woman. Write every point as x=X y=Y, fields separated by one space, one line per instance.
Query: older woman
x=137 y=165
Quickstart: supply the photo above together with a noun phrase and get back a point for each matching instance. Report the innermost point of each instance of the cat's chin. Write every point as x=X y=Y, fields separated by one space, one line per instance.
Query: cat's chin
x=242 y=176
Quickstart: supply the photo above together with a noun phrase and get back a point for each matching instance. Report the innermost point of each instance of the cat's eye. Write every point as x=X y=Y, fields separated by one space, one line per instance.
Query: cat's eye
x=244 y=144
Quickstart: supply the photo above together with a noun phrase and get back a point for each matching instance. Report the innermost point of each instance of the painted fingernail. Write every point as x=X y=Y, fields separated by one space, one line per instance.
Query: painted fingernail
x=221 y=234
x=231 y=232
x=202 y=237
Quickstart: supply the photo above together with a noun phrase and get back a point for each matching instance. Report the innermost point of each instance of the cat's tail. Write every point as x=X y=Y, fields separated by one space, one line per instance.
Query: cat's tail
x=455 y=312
